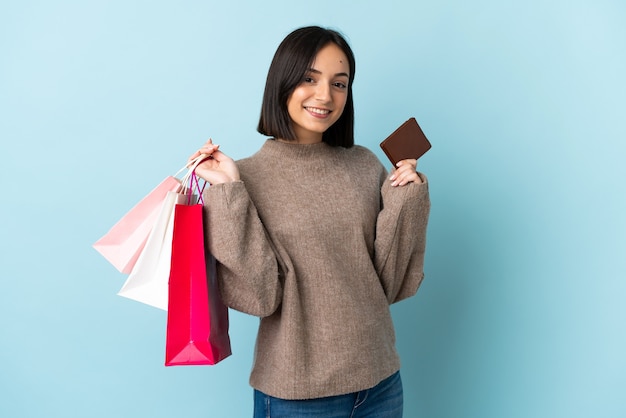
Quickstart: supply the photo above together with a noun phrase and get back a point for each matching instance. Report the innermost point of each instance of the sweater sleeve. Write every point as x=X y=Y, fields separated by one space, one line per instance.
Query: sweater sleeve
x=401 y=238
x=247 y=267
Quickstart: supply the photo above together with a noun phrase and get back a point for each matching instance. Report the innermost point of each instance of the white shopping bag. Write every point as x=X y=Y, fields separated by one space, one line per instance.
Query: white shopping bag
x=148 y=281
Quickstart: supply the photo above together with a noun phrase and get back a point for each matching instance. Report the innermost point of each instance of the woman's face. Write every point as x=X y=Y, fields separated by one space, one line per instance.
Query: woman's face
x=319 y=100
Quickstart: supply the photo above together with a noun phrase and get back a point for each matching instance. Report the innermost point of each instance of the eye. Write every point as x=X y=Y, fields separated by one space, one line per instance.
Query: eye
x=308 y=79
x=339 y=84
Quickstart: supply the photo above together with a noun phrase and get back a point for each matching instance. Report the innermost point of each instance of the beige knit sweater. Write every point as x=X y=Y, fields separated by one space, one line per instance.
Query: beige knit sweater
x=316 y=242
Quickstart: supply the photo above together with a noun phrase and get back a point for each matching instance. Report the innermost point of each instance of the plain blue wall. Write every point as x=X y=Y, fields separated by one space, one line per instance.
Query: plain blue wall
x=521 y=313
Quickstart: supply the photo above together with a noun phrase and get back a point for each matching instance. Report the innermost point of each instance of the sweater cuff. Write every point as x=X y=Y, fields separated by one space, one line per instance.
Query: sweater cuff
x=221 y=196
x=399 y=194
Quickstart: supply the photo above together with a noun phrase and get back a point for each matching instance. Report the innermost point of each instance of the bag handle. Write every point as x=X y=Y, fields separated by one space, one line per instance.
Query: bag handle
x=190 y=178
x=190 y=167
x=200 y=191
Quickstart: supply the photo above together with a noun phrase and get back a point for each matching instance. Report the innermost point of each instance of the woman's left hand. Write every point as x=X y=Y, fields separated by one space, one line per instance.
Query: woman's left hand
x=405 y=173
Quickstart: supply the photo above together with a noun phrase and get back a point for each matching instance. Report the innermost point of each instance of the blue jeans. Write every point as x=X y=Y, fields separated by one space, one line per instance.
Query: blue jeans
x=384 y=400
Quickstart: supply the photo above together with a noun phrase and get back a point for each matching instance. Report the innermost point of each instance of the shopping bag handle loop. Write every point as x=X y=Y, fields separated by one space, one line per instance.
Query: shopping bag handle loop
x=190 y=167
x=190 y=179
x=200 y=190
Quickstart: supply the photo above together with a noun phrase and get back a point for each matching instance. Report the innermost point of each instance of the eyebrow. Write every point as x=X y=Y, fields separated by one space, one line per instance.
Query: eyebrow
x=313 y=70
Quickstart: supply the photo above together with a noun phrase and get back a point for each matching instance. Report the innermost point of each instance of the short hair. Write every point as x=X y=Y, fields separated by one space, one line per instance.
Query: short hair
x=291 y=62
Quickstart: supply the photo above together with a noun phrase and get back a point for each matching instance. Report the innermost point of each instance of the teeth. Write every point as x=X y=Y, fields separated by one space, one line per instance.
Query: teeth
x=318 y=111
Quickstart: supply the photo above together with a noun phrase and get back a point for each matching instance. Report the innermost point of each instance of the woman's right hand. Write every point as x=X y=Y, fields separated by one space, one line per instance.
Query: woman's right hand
x=217 y=167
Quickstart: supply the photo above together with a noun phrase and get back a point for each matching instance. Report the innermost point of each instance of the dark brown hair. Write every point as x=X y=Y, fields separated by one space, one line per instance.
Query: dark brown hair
x=292 y=60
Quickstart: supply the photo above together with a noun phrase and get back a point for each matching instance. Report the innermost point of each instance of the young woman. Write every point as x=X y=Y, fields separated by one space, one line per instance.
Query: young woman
x=313 y=236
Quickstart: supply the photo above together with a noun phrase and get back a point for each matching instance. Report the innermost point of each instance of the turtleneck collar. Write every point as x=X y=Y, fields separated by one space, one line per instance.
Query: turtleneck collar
x=287 y=150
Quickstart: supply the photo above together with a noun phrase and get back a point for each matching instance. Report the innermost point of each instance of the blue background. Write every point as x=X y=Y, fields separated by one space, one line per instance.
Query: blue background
x=522 y=312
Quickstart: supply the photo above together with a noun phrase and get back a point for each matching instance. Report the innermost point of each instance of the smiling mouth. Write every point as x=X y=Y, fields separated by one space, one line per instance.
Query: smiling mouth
x=318 y=111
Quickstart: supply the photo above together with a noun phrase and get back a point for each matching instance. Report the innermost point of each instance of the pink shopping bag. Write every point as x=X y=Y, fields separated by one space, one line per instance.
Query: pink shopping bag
x=123 y=243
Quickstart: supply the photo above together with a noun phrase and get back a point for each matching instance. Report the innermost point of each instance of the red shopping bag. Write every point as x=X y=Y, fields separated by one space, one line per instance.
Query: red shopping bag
x=197 y=319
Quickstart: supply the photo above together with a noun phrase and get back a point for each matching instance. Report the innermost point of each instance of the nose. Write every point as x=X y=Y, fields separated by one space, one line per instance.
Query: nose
x=322 y=92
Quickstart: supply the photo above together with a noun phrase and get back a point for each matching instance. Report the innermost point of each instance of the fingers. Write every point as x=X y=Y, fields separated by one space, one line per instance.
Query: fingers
x=405 y=173
x=212 y=165
x=219 y=156
x=207 y=149
x=411 y=162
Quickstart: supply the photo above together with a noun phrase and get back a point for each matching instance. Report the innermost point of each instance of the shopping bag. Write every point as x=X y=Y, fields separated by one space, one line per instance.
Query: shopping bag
x=123 y=243
x=147 y=282
x=197 y=319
